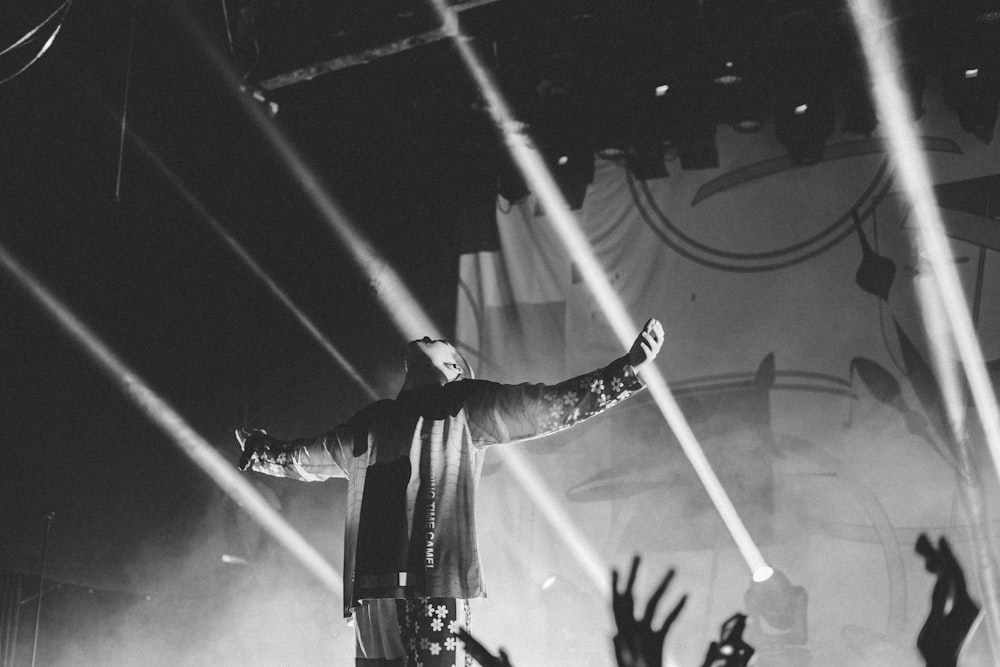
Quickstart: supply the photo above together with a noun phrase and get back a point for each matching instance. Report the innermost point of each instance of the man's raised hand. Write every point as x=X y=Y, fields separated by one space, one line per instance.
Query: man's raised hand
x=647 y=344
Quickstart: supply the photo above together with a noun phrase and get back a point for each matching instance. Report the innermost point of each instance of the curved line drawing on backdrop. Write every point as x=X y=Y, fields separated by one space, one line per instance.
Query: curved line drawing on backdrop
x=778 y=252
x=829 y=236
x=844 y=231
x=769 y=167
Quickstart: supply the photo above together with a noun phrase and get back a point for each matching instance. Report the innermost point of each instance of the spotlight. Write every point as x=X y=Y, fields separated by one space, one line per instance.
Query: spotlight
x=974 y=95
x=732 y=29
x=803 y=126
x=740 y=102
x=259 y=97
x=738 y=97
x=573 y=171
x=803 y=103
x=681 y=114
x=666 y=109
x=568 y=155
x=687 y=118
x=560 y=127
x=970 y=77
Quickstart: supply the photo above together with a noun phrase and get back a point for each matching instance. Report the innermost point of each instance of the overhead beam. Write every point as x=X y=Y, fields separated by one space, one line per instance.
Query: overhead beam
x=310 y=72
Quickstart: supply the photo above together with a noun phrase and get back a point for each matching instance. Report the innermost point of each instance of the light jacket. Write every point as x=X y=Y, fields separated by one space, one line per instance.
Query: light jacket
x=441 y=433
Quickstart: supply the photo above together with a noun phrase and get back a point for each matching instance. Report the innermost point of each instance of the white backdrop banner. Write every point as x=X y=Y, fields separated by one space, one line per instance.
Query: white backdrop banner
x=793 y=344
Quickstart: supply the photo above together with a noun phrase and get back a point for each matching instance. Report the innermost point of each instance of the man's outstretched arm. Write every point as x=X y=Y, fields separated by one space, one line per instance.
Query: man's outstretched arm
x=311 y=459
x=500 y=413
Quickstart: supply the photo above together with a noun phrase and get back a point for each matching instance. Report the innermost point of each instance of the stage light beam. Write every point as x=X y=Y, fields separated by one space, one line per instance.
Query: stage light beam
x=532 y=166
x=237 y=248
x=390 y=291
x=538 y=491
x=392 y=295
x=399 y=304
x=193 y=445
x=945 y=309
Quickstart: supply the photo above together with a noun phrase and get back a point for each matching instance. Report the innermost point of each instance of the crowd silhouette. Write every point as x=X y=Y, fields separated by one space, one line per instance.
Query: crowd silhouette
x=637 y=643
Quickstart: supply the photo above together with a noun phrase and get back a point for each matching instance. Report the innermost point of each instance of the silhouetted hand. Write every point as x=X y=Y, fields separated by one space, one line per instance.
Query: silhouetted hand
x=730 y=650
x=637 y=644
x=647 y=344
x=952 y=610
x=253 y=442
x=479 y=652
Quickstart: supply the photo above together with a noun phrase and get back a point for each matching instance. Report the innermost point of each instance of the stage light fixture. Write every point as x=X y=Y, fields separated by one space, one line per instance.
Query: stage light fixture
x=974 y=94
x=804 y=113
x=260 y=97
x=683 y=115
x=645 y=159
x=970 y=76
x=562 y=134
x=640 y=137
x=732 y=30
x=738 y=96
x=573 y=170
x=682 y=109
x=777 y=611
x=804 y=131
x=698 y=149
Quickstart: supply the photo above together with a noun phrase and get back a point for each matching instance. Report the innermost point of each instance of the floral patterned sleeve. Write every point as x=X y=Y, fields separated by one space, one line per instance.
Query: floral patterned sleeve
x=306 y=459
x=502 y=413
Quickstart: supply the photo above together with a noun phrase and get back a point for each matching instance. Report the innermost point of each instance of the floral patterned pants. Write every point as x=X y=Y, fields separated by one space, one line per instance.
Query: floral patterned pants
x=416 y=632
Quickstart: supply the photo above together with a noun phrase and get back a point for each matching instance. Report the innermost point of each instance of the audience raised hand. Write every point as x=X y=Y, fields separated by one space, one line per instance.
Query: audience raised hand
x=479 y=652
x=637 y=643
x=730 y=650
x=952 y=611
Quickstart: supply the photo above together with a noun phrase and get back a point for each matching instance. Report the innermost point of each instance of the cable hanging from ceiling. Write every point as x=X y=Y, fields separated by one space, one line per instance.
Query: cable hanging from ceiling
x=32 y=35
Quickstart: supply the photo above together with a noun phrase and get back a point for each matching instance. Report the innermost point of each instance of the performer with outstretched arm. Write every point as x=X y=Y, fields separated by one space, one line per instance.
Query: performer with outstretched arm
x=411 y=562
